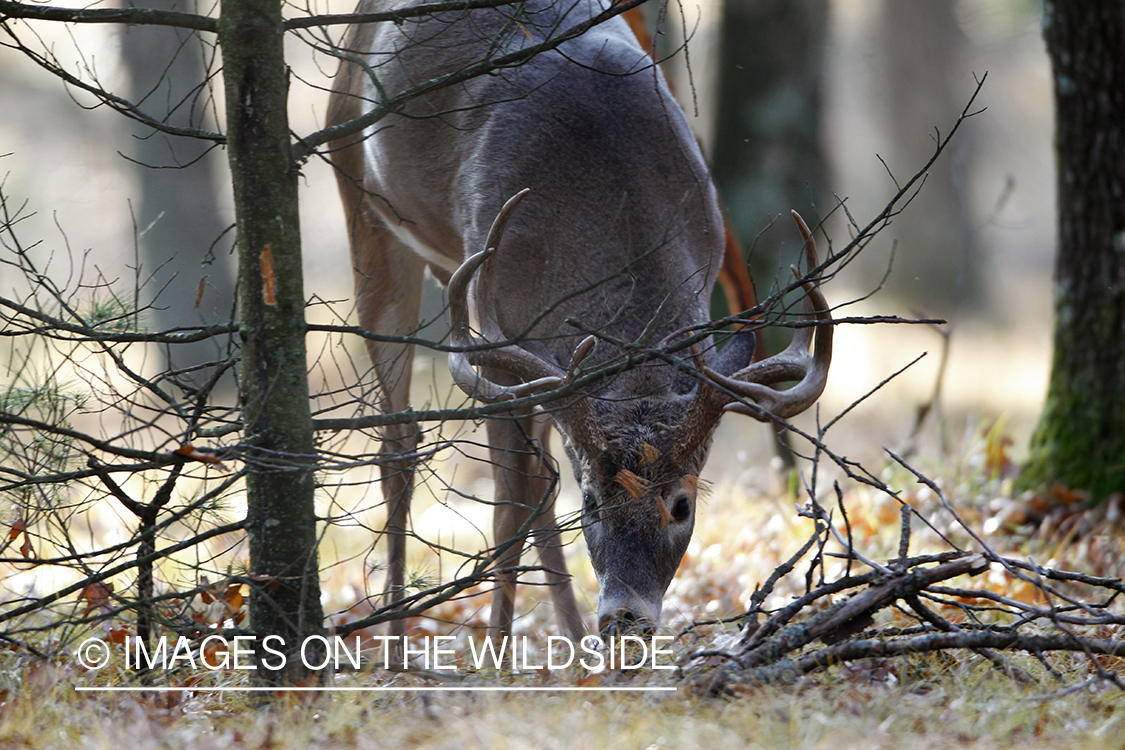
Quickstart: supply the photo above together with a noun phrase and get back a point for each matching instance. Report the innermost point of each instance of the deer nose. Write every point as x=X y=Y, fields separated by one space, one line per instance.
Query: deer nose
x=624 y=622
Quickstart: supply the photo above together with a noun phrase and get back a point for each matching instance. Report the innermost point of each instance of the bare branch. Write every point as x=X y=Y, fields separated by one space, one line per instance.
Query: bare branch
x=127 y=16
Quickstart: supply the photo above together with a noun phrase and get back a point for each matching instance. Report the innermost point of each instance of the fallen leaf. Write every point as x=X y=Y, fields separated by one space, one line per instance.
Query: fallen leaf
x=215 y=653
x=233 y=598
x=96 y=594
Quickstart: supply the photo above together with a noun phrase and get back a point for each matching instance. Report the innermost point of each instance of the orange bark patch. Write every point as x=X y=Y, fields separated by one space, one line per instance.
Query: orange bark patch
x=269 y=278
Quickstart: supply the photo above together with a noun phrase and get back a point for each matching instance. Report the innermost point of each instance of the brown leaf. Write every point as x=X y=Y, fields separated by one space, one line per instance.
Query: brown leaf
x=199 y=290
x=233 y=597
x=190 y=451
x=96 y=595
x=19 y=526
x=215 y=652
x=1067 y=496
x=996 y=455
x=632 y=483
x=592 y=679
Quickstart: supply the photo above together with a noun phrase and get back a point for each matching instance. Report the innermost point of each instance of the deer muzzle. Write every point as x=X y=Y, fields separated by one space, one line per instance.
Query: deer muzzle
x=625 y=613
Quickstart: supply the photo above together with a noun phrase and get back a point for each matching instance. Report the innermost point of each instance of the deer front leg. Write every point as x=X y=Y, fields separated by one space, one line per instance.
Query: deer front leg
x=525 y=489
x=398 y=489
x=548 y=538
x=388 y=280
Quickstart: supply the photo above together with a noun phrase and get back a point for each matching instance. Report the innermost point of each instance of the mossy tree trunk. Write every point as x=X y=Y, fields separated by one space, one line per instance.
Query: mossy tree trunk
x=281 y=517
x=1080 y=440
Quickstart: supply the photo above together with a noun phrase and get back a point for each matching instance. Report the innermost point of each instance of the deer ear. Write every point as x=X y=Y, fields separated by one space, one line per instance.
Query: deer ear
x=736 y=354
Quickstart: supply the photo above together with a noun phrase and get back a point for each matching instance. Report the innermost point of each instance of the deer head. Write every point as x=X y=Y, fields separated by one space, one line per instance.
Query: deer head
x=638 y=440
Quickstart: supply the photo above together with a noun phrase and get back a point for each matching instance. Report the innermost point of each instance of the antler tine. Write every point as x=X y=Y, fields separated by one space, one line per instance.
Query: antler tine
x=496 y=231
x=459 y=282
x=753 y=382
x=457 y=288
x=537 y=373
x=578 y=418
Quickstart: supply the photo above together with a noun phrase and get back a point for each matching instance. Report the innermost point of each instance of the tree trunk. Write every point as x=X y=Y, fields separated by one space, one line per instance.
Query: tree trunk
x=177 y=212
x=922 y=49
x=767 y=157
x=1080 y=440
x=281 y=517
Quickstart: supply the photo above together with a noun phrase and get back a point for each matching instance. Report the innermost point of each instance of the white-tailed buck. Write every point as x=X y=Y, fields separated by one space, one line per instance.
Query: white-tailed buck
x=614 y=250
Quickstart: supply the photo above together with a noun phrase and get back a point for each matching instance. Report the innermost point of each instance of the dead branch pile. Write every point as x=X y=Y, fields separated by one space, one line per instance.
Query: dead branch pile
x=942 y=602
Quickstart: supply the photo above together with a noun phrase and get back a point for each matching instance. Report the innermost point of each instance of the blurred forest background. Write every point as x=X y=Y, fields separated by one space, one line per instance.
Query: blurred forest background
x=873 y=80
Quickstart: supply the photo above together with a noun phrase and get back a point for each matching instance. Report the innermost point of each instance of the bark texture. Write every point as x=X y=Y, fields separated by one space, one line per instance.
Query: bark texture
x=281 y=516
x=1080 y=440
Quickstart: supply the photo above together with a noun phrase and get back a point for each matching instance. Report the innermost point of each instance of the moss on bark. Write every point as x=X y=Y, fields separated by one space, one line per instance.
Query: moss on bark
x=1080 y=440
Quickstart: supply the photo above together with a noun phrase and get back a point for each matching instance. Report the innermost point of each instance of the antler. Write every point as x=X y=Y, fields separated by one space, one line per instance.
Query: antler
x=753 y=381
x=537 y=373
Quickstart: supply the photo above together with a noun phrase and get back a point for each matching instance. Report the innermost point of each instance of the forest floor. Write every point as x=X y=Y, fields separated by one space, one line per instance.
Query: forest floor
x=948 y=698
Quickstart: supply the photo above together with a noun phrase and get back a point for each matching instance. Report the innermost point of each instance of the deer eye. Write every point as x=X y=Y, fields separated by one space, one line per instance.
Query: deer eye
x=588 y=501
x=681 y=509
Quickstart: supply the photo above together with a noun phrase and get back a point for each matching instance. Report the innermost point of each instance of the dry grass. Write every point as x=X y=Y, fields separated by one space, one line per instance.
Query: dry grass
x=945 y=700
x=941 y=703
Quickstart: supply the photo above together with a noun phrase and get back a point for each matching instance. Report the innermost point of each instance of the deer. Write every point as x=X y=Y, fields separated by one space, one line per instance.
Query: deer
x=566 y=206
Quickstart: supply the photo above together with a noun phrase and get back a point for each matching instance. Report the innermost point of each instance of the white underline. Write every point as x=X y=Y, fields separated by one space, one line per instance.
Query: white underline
x=443 y=689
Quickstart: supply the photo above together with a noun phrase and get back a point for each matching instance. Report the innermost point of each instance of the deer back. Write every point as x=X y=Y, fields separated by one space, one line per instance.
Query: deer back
x=621 y=229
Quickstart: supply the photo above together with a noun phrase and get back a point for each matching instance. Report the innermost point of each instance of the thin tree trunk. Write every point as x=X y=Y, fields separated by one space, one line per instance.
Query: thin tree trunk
x=281 y=517
x=1080 y=441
